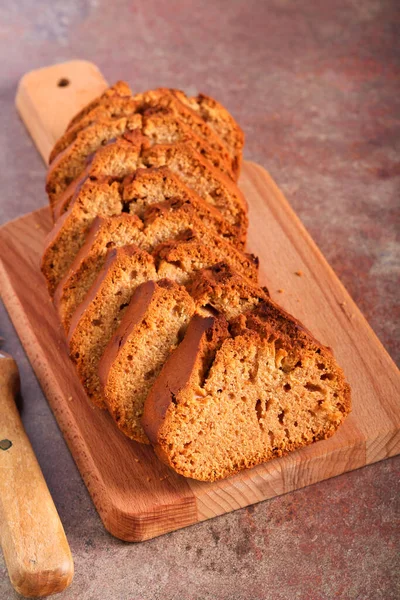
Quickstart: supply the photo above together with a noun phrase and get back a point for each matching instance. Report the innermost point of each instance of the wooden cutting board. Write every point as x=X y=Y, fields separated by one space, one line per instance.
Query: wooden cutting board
x=136 y=495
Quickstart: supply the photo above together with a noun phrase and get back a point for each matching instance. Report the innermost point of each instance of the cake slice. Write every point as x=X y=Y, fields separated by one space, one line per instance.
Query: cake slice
x=156 y=127
x=220 y=120
x=173 y=260
x=70 y=163
x=115 y=160
x=98 y=317
x=68 y=235
x=184 y=164
x=111 y=107
x=105 y=233
x=219 y=289
x=124 y=375
x=85 y=322
x=119 y=89
x=209 y=183
x=162 y=126
x=196 y=249
x=155 y=191
x=115 y=104
x=230 y=398
x=106 y=198
x=152 y=327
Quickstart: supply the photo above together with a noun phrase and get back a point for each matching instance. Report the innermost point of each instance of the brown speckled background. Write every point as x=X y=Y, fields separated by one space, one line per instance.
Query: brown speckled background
x=316 y=87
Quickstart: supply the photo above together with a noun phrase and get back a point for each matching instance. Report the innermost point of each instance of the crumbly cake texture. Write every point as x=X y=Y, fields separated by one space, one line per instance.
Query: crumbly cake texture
x=219 y=289
x=152 y=327
x=104 y=199
x=88 y=328
x=179 y=258
x=126 y=229
x=112 y=232
x=118 y=160
x=229 y=398
x=148 y=191
x=161 y=127
x=208 y=119
x=100 y=314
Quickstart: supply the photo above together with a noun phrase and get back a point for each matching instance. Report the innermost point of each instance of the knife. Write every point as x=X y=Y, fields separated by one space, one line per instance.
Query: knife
x=35 y=547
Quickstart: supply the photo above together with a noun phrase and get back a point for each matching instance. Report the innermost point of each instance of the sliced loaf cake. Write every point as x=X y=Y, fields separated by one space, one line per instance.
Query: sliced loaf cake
x=105 y=233
x=199 y=244
x=204 y=116
x=118 y=160
x=102 y=198
x=68 y=235
x=85 y=325
x=125 y=378
x=229 y=399
x=161 y=127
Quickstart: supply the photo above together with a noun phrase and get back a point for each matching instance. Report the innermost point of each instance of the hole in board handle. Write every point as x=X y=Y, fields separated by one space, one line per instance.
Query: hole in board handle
x=63 y=82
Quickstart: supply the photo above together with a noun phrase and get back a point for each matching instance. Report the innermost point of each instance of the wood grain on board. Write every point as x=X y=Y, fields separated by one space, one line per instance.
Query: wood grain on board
x=136 y=495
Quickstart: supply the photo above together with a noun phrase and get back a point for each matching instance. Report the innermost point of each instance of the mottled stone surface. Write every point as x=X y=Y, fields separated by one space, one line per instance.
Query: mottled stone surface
x=315 y=86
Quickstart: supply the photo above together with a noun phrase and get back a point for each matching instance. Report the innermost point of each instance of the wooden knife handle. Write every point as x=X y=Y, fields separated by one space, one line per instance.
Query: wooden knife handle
x=35 y=547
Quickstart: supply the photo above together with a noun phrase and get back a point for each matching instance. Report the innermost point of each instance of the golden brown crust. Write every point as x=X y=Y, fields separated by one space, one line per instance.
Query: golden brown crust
x=134 y=355
x=100 y=314
x=117 y=102
x=68 y=235
x=120 y=88
x=104 y=234
x=203 y=337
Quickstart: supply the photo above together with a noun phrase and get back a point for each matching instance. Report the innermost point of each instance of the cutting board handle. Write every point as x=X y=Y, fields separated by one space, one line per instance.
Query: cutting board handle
x=48 y=98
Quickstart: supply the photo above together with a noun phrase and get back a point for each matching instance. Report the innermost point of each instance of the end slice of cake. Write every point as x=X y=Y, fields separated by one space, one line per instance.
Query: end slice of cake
x=229 y=399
